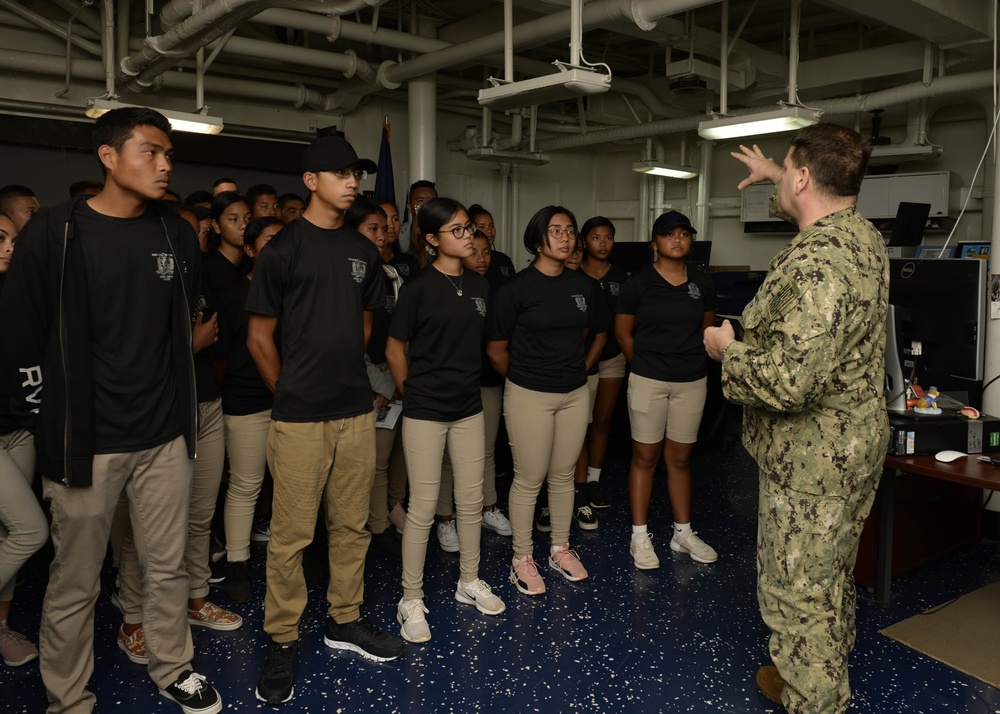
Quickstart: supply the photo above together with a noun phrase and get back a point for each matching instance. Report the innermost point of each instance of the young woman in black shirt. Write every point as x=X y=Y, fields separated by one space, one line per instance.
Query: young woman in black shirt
x=598 y=240
x=246 y=408
x=501 y=266
x=661 y=315
x=537 y=326
x=404 y=263
x=222 y=266
x=440 y=316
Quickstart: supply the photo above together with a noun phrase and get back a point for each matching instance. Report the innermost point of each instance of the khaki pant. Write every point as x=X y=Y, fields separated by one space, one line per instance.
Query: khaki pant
x=158 y=484
x=23 y=528
x=207 y=475
x=806 y=549
x=246 y=445
x=425 y=443
x=329 y=463
x=546 y=435
x=492 y=409
x=378 y=510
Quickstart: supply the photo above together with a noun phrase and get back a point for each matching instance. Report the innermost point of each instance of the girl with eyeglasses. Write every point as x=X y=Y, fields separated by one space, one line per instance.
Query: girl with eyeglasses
x=661 y=315
x=370 y=221
x=535 y=338
x=598 y=240
x=440 y=317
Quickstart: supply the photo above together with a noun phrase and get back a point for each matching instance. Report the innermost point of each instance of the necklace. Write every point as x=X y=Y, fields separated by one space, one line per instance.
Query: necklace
x=458 y=288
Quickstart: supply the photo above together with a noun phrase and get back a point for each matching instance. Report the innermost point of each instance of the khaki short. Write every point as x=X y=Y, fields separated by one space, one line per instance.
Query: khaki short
x=611 y=368
x=658 y=408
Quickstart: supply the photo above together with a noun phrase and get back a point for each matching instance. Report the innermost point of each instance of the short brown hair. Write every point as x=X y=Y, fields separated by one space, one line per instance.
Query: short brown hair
x=837 y=157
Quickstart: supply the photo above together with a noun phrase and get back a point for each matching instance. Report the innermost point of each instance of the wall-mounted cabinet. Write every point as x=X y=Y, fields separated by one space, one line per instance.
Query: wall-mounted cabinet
x=879 y=198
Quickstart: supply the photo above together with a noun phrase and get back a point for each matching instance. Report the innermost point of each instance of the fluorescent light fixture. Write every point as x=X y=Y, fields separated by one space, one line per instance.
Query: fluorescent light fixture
x=788 y=118
x=567 y=84
x=179 y=121
x=660 y=169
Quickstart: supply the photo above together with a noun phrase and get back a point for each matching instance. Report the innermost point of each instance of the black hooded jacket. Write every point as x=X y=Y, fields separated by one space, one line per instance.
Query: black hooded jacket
x=45 y=337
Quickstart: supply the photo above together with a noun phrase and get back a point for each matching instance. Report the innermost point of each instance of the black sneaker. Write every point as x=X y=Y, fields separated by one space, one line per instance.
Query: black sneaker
x=386 y=543
x=544 y=521
x=261 y=530
x=596 y=495
x=363 y=637
x=585 y=518
x=276 y=683
x=195 y=695
x=237 y=585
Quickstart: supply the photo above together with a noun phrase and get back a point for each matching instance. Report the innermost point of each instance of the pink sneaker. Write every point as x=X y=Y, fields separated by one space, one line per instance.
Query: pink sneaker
x=15 y=648
x=567 y=563
x=524 y=575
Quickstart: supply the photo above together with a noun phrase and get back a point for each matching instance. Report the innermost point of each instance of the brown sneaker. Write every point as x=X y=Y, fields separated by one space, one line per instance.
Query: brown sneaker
x=214 y=618
x=133 y=645
x=770 y=683
x=15 y=648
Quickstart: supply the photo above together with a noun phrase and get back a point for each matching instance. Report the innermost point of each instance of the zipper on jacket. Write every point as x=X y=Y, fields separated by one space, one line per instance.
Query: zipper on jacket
x=67 y=425
x=189 y=331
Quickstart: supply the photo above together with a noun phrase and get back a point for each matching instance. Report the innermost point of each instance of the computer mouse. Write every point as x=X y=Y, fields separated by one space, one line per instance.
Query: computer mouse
x=949 y=455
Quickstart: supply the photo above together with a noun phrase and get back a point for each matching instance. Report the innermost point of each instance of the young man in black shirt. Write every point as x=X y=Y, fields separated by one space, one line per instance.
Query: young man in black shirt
x=98 y=307
x=319 y=282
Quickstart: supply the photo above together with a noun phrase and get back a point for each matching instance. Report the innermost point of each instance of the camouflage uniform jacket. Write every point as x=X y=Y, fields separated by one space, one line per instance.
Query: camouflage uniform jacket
x=811 y=368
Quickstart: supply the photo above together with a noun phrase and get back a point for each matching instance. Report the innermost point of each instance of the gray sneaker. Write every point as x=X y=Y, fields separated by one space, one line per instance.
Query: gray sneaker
x=412 y=623
x=689 y=542
x=642 y=552
x=478 y=593
x=447 y=534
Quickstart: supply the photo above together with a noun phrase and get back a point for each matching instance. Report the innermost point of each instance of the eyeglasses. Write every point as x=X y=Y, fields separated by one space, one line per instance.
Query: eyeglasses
x=459 y=231
x=347 y=173
x=557 y=232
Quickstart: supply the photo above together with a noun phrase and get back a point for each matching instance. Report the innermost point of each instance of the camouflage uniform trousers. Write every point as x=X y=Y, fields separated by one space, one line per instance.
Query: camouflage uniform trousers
x=806 y=548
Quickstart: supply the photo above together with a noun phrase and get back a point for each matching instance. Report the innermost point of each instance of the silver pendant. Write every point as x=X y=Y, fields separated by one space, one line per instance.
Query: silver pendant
x=459 y=293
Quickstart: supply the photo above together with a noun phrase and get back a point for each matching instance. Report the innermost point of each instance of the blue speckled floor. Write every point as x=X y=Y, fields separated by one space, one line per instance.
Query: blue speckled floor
x=685 y=638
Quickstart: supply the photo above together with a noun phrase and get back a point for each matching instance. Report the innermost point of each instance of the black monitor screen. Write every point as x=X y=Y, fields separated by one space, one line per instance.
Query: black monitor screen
x=940 y=315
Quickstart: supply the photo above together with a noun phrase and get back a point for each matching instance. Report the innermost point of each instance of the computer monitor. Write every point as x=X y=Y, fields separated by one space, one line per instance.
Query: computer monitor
x=908 y=227
x=938 y=325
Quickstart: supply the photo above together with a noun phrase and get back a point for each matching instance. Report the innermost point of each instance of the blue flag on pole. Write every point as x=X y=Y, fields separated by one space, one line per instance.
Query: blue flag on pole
x=384 y=184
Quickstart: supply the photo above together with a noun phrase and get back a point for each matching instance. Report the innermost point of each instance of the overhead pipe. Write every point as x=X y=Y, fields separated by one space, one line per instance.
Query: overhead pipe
x=942 y=86
x=177 y=11
x=88 y=18
x=162 y=52
x=38 y=21
x=122 y=22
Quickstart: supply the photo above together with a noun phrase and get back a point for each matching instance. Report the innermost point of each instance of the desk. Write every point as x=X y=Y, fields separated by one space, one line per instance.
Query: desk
x=969 y=471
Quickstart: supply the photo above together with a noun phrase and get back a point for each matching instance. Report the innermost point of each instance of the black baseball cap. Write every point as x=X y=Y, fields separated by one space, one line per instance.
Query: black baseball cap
x=670 y=220
x=331 y=153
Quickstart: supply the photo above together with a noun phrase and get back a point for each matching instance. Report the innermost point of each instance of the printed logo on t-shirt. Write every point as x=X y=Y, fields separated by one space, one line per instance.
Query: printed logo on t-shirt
x=390 y=302
x=358 y=269
x=505 y=271
x=164 y=265
x=581 y=303
x=403 y=269
x=694 y=292
x=613 y=288
x=480 y=305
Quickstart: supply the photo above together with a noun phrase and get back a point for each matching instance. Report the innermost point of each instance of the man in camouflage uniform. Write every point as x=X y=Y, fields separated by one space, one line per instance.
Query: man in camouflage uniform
x=810 y=373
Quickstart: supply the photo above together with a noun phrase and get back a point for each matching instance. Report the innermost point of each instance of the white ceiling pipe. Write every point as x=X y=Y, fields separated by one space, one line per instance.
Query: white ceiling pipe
x=941 y=86
x=296 y=95
x=162 y=52
x=88 y=17
x=245 y=47
x=344 y=29
x=177 y=11
x=551 y=27
x=38 y=21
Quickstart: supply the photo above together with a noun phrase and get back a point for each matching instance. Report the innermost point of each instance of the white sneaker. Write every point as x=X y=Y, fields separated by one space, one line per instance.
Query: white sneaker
x=478 y=593
x=689 y=542
x=447 y=534
x=642 y=552
x=412 y=623
x=495 y=520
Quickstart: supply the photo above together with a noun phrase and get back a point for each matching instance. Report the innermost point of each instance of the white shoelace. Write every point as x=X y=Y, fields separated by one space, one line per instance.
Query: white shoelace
x=193 y=684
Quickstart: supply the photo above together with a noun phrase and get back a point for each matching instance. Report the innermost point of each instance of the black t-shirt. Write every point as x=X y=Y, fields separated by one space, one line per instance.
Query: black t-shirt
x=405 y=264
x=543 y=318
x=8 y=422
x=218 y=274
x=380 y=322
x=604 y=324
x=318 y=283
x=130 y=281
x=501 y=268
x=668 y=320
x=243 y=389
x=611 y=285
x=445 y=335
